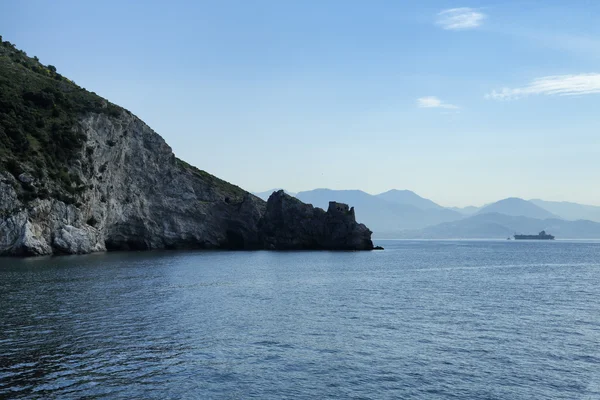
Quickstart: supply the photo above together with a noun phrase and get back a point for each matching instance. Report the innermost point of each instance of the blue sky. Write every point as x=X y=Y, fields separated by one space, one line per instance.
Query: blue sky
x=462 y=102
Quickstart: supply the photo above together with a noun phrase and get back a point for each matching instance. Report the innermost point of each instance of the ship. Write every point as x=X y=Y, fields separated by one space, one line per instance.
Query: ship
x=540 y=236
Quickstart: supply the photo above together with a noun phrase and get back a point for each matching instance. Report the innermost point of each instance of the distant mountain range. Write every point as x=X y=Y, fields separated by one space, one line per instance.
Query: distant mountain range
x=405 y=214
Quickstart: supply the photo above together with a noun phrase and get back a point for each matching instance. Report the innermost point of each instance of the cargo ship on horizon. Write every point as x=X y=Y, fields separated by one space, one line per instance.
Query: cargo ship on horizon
x=540 y=236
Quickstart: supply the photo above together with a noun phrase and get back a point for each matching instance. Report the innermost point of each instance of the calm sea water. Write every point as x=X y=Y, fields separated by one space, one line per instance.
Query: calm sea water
x=420 y=320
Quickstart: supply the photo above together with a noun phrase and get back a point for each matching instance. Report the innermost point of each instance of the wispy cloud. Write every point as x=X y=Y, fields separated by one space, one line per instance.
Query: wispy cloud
x=561 y=85
x=460 y=18
x=434 y=102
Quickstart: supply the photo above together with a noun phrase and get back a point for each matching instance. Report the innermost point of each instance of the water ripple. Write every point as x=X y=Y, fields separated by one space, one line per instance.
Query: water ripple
x=428 y=320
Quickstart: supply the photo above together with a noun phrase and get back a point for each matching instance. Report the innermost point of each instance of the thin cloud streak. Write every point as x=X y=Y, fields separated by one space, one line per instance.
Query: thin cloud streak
x=559 y=85
x=434 y=102
x=460 y=18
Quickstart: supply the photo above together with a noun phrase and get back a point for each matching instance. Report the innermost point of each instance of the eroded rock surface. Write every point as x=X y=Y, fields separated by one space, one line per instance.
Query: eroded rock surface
x=137 y=196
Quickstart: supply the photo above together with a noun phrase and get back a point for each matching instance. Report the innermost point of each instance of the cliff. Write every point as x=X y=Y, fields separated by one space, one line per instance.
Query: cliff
x=135 y=195
x=79 y=174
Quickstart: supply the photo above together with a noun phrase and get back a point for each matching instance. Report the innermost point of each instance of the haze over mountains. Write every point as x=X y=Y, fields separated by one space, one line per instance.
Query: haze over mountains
x=568 y=210
x=405 y=214
x=516 y=207
x=468 y=210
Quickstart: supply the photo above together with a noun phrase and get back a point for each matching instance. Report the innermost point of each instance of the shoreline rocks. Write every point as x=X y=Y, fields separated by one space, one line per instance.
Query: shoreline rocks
x=289 y=224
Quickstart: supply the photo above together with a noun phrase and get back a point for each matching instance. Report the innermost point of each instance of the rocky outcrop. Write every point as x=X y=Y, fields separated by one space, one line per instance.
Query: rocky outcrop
x=289 y=224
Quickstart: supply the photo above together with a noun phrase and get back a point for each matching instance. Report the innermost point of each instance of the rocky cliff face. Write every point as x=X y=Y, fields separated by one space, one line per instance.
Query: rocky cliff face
x=137 y=196
x=289 y=224
x=79 y=174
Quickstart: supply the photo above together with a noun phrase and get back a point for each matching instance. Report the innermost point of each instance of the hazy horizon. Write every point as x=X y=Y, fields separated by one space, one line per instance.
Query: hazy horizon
x=426 y=197
x=462 y=103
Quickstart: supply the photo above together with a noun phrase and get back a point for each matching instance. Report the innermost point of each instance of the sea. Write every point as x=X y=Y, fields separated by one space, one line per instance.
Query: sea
x=420 y=320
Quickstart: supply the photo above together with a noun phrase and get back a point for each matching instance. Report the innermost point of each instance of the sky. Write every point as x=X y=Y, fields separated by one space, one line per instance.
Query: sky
x=463 y=102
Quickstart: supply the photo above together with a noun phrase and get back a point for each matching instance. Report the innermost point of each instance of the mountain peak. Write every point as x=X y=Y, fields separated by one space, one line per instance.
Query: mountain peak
x=399 y=191
x=408 y=197
x=515 y=206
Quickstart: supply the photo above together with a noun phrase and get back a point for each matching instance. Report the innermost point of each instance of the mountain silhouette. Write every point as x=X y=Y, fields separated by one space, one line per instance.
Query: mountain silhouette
x=517 y=207
x=409 y=198
x=569 y=210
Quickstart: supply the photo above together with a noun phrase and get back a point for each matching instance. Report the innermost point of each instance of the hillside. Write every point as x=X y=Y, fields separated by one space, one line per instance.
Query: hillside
x=40 y=127
x=79 y=174
x=569 y=210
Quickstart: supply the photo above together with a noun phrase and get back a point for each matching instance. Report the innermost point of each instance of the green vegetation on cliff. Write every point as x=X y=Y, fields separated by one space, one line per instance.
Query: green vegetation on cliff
x=38 y=122
x=235 y=193
x=39 y=131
